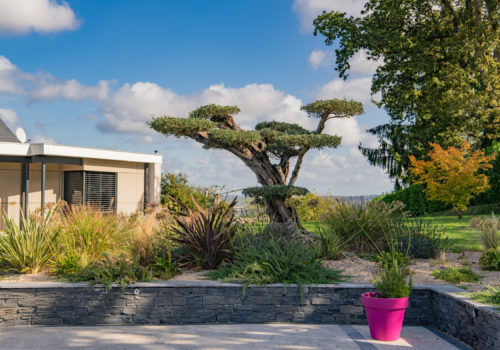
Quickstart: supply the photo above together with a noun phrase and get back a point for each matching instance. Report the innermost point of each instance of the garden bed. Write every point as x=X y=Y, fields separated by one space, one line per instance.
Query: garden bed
x=359 y=271
x=362 y=270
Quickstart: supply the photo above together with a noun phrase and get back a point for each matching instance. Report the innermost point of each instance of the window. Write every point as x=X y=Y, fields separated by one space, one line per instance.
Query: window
x=93 y=188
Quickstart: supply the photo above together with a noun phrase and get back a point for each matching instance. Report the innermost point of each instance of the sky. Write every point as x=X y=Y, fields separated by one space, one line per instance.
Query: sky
x=91 y=73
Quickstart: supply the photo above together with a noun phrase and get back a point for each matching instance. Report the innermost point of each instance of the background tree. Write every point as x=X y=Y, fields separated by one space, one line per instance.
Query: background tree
x=439 y=80
x=178 y=187
x=451 y=176
x=267 y=151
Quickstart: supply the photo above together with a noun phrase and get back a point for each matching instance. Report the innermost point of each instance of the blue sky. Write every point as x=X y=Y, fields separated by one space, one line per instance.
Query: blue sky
x=91 y=73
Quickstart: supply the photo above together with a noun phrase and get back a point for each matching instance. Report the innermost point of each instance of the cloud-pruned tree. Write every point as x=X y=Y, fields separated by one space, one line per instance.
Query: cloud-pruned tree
x=268 y=150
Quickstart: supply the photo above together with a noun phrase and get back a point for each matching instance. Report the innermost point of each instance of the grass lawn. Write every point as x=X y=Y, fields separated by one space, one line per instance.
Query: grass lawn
x=458 y=230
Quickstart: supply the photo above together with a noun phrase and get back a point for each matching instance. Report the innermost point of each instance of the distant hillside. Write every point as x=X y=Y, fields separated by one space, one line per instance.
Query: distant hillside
x=367 y=197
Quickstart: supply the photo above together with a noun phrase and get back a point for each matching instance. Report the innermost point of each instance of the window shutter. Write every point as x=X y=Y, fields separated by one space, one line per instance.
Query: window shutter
x=100 y=190
x=92 y=188
x=73 y=187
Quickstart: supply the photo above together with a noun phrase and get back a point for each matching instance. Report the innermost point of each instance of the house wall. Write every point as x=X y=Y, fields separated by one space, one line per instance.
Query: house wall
x=10 y=188
x=130 y=184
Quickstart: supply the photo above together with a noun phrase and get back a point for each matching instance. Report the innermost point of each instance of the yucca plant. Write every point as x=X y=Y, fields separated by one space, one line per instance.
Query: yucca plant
x=207 y=233
x=28 y=248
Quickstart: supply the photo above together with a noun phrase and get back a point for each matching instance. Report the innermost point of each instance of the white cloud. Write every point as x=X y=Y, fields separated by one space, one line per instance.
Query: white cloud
x=132 y=105
x=347 y=128
x=9 y=117
x=43 y=86
x=8 y=77
x=357 y=89
x=43 y=16
x=50 y=89
x=319 y=58
x=342 y=174
x=361 y=65
x=308 y=10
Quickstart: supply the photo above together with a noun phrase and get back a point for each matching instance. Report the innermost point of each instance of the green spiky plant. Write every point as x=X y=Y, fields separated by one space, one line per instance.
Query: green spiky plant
x=207 y=233
x=29 y=246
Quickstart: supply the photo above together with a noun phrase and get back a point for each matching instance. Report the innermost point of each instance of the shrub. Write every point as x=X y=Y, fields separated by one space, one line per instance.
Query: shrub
x=456 y=275
x=259 y=261
x=487 y=230
x=207 y=233
x=163 y=264
x=165 y=268
x=107 y=271
x=86 y=233
x=413 y=197
x=175 y=187
x=28 y=247
x=391 y=283
x=310 y=207
x=490 y=260
x=490 y=295
x=420 y=239
x=363 y=224
x=329 y=245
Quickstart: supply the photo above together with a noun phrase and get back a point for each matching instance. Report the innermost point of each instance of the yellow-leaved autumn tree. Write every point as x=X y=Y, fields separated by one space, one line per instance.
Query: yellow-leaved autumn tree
x=451 y=176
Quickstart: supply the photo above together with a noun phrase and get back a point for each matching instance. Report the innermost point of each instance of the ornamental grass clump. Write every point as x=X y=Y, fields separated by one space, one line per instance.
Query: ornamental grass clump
x=28 y=248
x=363 y=224
x=330 y=245
x=487 y=229
x=85 y=233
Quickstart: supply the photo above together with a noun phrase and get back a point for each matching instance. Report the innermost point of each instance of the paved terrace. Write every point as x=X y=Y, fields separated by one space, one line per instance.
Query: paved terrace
x=200 y=337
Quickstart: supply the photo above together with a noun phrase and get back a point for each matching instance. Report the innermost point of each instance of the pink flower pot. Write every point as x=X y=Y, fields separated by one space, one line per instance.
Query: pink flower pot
x=385 y=315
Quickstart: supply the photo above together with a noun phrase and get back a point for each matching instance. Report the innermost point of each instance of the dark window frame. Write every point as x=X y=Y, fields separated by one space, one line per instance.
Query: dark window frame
x=86 y=184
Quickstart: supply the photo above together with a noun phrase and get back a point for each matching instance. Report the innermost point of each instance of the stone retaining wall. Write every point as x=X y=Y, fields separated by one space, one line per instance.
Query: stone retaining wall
x=212 y=302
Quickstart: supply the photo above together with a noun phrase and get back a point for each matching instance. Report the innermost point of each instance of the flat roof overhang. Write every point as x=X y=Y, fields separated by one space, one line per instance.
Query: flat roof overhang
x=26 y=154
x=36 y=152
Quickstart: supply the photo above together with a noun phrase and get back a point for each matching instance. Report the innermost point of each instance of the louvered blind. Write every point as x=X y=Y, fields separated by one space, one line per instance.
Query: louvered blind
x=100 y=190
x=91 y=188
x=73 y=187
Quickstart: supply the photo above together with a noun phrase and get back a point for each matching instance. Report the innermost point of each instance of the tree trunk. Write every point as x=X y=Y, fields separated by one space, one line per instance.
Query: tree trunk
x=283 y=218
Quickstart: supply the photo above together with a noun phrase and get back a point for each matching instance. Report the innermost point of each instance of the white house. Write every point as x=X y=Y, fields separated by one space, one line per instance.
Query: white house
x=32 y=175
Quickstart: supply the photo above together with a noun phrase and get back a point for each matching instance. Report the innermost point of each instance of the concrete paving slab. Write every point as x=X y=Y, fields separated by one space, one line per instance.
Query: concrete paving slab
x=208 y=337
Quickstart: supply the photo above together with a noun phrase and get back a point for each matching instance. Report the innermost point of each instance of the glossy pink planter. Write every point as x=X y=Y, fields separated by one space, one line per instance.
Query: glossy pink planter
x=385 y=315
